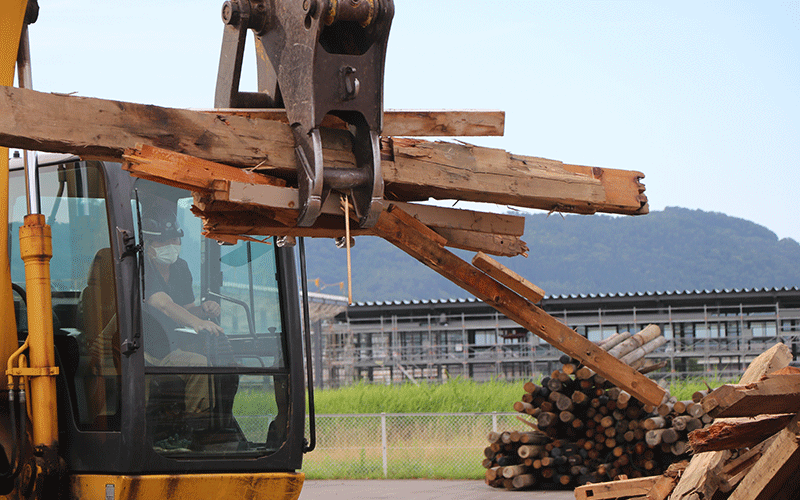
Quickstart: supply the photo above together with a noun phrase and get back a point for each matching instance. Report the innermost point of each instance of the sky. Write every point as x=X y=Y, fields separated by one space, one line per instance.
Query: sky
x=702 y=97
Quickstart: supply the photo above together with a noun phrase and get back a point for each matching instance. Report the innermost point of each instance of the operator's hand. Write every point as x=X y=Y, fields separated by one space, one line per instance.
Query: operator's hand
x=211 y=308
x=212 y=328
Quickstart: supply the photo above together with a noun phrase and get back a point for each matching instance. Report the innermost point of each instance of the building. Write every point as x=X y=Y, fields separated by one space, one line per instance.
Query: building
x=710 y=332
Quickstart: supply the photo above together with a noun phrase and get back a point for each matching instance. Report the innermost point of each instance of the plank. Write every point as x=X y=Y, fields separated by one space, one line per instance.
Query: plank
x=497 y=244
x=412 y=170
x=696 y=480
x=773 y=359
x=616 y=489
x=662 y=488
x=735 y=433
x=772 y=395
x=406 y=233
x=776 y=466
x=508 y=277
x=242 y=190
x=412 y=123
x=496 y=176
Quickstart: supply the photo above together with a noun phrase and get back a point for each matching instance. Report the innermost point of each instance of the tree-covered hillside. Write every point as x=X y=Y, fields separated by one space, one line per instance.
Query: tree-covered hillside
x=674 y=249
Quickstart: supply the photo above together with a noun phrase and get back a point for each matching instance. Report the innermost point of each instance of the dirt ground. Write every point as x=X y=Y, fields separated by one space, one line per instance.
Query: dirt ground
x=418 y=489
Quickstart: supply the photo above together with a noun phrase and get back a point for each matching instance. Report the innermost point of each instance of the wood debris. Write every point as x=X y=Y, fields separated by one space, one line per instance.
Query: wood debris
x=751 y=458
x=412 y=169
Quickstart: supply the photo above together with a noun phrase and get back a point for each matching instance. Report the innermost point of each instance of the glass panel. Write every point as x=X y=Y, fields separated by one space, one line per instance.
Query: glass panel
x=72 y=197
x=208 y=307
x=254 y=421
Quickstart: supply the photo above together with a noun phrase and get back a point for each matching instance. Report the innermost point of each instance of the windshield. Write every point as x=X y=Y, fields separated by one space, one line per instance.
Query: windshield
x=215 y=364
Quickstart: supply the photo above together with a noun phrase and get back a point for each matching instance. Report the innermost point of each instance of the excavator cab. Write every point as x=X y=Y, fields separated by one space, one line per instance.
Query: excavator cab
x=143 y=391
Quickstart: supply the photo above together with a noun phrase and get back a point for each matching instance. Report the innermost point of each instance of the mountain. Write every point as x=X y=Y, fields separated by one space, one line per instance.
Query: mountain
x=673 y=249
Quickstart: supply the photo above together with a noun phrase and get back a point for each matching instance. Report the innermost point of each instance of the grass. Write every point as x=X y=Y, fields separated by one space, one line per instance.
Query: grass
x=455 y=396
x=440 y=447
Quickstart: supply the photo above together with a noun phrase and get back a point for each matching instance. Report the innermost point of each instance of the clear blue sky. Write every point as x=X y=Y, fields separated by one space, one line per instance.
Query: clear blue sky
x=703 y=97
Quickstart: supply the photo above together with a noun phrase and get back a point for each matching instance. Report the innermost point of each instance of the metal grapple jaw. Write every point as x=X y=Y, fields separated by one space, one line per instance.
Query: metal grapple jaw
x=316 y=57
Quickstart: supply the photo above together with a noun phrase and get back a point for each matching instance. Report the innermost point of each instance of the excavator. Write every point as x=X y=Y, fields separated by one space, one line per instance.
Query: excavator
x=144 y=360
x=156 y=341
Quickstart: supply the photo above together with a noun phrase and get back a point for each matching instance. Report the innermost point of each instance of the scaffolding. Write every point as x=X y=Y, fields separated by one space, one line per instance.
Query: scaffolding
x=710 y=333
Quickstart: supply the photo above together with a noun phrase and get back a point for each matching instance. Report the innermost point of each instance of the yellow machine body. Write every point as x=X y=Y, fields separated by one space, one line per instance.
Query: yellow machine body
x=272 y=486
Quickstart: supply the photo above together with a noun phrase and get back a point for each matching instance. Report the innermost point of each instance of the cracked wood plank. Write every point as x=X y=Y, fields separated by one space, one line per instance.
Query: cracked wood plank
x=412 y=170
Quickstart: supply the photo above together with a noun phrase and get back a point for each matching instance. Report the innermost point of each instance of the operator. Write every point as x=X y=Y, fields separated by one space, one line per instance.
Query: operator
x=171 y=301
x=168 y=280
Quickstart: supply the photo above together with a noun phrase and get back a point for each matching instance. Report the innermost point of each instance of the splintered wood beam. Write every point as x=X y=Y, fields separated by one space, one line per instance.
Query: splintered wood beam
x=616 y=489
x=409 y=235
x=773 y=395
x=235 y=202
x=409 y=123
x=508 y=277
x=700 y=479
x=773 y=359
x=696 y=480
x=735 y=433
x=446 y=170
x=411 y=170
x=776 y=466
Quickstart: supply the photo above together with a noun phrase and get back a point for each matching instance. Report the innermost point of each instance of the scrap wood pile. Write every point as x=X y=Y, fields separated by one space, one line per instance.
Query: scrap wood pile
x=751 y=451
x=588 y=430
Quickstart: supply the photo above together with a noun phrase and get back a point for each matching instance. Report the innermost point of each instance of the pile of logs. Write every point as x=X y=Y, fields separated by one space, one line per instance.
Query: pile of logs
x=588 y=430
x=751 y=451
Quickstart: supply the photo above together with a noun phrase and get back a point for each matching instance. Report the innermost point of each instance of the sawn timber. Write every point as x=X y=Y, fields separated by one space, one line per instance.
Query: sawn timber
x=412 y=169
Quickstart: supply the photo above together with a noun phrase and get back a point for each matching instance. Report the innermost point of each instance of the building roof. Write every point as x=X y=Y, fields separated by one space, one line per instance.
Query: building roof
x=786 y=296
x=725 y=291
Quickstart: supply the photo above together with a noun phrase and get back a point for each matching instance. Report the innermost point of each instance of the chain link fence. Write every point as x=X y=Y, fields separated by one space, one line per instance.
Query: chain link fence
x=403 y=445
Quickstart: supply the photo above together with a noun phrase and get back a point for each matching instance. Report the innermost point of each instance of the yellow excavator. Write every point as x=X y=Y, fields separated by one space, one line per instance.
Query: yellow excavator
x=144 y=360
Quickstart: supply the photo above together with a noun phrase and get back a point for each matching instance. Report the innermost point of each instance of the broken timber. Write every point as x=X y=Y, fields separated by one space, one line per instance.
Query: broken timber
x=412 y=170
x=638 y=487
x=234 y=202
x=735 y=433
x=700 y=479
x=773 y=395
x=775 y=468
x=409 y=235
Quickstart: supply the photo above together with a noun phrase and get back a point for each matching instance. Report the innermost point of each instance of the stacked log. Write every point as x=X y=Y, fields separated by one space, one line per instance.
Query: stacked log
x=588 y=430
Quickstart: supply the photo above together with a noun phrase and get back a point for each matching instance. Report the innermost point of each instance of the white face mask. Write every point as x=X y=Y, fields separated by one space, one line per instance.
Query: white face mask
x=167 y=254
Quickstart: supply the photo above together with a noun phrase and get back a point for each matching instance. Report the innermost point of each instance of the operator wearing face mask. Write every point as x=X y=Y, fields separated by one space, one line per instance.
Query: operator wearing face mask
x=168 y=280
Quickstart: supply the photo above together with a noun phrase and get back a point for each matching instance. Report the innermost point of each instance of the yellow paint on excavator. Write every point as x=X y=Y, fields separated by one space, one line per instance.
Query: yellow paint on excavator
x=12 y=15
x=272 y=486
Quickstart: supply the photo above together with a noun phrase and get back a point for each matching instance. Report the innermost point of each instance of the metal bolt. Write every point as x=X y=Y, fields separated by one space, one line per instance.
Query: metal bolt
x=230 y=12
x=351 y=83
x=310 y=6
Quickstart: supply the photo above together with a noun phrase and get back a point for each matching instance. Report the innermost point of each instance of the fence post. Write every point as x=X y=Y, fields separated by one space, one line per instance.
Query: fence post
x=494 y=421
x=383 y=445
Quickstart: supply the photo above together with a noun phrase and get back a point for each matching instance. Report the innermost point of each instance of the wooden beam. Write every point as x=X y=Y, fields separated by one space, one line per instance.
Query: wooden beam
x=695 y=480
x=235 y=191
x=616 y=489
x=735 y=433
x=508 y=277
x=779 y=462
x=773 y=359
x=773 y=395
x=405 y=232
x=411 y=170
x=446 y=170
x=409 y=123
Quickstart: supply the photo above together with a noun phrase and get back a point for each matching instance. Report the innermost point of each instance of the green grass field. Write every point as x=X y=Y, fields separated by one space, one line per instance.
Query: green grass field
x=454 y=396
x=349 y=444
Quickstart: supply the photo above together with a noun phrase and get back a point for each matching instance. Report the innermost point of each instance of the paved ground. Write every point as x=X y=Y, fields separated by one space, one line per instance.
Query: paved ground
x=418 y=489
